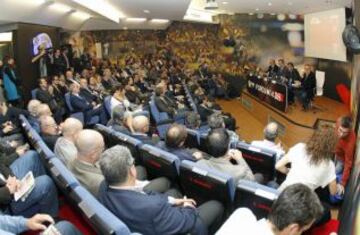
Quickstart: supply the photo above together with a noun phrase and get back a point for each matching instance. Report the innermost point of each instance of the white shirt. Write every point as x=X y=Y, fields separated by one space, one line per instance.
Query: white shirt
x=266 y=144
x=302 y=171
x=114 y=102
x=243 y=221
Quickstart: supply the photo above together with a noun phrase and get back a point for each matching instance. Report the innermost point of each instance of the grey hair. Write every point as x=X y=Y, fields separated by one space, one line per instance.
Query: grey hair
x=271 y=131
x=215 y=121
x=118 y=113
x=115 y=164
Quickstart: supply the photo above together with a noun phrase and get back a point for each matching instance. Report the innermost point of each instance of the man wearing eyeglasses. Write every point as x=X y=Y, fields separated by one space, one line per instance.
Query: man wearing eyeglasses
x=344 y=151
x=49 y=131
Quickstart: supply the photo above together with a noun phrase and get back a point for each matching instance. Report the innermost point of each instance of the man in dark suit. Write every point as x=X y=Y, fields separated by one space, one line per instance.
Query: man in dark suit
x=308 y=84
x=282 y=71
x=147 y=212
x=174 y=143
x=120 y=120
x=163 y=102
x=44 y=96
x=141 y=125
x=273 y=69
x=80 y=104
x=49 y=131
x=87 y=93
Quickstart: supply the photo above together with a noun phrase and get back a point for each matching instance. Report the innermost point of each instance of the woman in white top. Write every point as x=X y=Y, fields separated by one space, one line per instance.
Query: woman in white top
x=311 y=163
x=118 y=98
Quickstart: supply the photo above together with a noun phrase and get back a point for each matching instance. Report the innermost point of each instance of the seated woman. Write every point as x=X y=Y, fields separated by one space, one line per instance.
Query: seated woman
x=311 y=163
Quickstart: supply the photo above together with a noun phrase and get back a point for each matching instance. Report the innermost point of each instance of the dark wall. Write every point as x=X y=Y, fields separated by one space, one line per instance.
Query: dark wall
x=23 y=54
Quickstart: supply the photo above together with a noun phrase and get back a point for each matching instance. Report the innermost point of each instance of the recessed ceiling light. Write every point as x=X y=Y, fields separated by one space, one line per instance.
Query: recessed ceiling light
x=292 y=16
x=59 y=7
x=81 y=15
x=250 y=14
x=159 y=21
x=257 y=9
x=272 y=13
x=125 y=28
x=281 y=17
x=146 y=11
x=225 y=3
x=269 y=4
x=135 y=19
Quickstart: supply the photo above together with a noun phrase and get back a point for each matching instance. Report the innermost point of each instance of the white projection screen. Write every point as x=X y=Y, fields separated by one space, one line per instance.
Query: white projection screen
x=323 y=35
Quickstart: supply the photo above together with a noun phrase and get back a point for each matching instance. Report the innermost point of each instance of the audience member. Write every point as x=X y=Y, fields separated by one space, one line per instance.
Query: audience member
x=216 y=121
x=344 y=150
x=311 y=163
x=43 y=95
x=14 y=165
x=273 y=68
x=223 y=159
x=33 y=118
x=146 y=212
x=308 y=84
x=65 y=148
x=44 y=110
x=270 y=135
x=80 y=104
x=49 y=131
x=121 y=120
x=141 y=127
x=293 y=212
x=174 y=143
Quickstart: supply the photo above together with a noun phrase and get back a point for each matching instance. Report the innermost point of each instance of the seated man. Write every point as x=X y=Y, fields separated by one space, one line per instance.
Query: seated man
x=223 y=159
x=294 y=212
x=49 y=131
x=32 y=107
x=141 y=125
x=174 y=143
x=17 y=224
x=42 y=199
x=9 y=120
x=121 y=120
x=216 y=121
x=65 y=148
x=146 y=212
x=167 y=105
x=44 y=96
x=90 y=145
x=270 y=135
x=193 y=122
x=80 y=104
x=85 y=92
x=308 y=84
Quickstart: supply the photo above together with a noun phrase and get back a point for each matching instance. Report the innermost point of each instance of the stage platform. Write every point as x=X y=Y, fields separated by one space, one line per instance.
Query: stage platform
x=296 y=125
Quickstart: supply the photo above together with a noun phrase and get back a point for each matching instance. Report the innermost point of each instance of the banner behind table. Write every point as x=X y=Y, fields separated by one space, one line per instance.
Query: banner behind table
x=275 y=94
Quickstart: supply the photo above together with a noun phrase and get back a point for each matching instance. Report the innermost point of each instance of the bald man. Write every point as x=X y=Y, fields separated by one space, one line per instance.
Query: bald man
x=90 y=145
x=269 y=142
x=65 y=148
x=140 y=125
x=49 y=131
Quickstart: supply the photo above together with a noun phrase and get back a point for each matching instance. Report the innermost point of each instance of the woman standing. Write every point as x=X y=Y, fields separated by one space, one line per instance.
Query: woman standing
x=10 y=82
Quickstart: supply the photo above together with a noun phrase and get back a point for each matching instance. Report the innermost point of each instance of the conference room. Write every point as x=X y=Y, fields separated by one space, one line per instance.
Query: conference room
x=179 y=117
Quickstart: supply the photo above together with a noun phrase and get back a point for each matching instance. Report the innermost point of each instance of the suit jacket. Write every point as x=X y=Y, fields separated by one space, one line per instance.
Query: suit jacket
x=151 y=213
x=79 y=103
x=146 y=139
x=293 y=75
x=182 y=153
x=165 y=104
x=89 y=175
x=45 y=97
x=204 y=112
x=86 y=93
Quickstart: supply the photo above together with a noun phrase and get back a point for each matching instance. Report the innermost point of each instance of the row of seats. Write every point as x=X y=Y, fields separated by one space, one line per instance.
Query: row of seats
x=189 y=97
x=200 y=183
x=99 y=217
